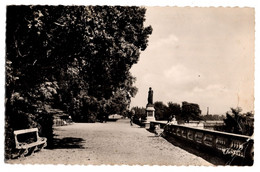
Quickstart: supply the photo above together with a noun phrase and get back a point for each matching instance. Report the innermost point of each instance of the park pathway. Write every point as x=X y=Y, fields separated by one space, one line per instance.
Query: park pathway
x=110 y=143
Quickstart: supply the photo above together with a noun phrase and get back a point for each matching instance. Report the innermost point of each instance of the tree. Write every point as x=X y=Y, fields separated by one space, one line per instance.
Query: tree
x=190 y=111
x=140 y=112
x=238 y=123
x=160 y=110
x=174 y=109
x=77 y=58
x=83 y=48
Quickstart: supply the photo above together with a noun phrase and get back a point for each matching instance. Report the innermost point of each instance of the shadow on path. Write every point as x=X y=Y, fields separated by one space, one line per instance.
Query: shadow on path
x=191 y=149
x=67 y=143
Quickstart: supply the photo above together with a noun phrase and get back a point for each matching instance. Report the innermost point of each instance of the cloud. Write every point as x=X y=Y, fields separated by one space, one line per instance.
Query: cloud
x=211 y=88
x=170 y=40
x=199 y=55
x=179 y=74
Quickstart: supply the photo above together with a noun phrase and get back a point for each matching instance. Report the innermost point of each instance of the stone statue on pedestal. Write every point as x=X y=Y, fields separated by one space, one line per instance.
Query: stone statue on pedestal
x=149 y=109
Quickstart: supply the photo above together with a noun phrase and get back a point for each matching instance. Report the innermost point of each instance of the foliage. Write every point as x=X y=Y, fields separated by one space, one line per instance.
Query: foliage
x=238 y=123
x=212 y=117
x=75 y=58
x=184 y=113
x=160 y=110
x=174 y=109
x=140 y=112
x=83 y=48
x=190 y=111
x=139 y=115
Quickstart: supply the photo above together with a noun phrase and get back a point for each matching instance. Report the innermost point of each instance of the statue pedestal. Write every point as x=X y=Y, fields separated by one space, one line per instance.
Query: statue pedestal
x=149 y=115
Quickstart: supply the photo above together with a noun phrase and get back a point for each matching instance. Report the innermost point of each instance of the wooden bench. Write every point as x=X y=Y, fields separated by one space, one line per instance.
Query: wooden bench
x=27 y=141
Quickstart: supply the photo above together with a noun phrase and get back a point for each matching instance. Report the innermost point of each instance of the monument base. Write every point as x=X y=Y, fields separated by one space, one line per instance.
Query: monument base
x=148 y=119
x=149 y=115
x=146 y=125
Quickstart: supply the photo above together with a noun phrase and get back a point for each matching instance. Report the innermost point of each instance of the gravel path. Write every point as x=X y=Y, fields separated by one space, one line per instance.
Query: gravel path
x=111 y=143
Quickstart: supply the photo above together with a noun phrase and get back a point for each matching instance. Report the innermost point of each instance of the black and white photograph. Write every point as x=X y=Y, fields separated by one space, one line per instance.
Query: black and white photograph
x=129 y=85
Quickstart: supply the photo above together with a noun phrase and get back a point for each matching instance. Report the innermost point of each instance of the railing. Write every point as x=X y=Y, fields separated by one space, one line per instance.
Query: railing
x=224 y=143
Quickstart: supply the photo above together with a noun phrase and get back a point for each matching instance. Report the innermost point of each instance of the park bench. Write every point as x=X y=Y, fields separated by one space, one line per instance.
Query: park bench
x=27 y=141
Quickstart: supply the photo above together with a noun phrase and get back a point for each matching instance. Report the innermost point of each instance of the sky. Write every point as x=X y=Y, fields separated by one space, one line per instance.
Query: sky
x=199 y=55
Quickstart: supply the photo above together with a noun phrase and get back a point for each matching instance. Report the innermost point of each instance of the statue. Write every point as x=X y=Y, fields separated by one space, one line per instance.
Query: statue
x=149 y=109
x=150 y=96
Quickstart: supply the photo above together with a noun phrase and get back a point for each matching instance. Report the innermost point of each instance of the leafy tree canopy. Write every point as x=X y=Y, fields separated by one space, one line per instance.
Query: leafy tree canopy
x=140 y=112
x=160 y=110
x=174 y=109
x=236 y=122
x=88 y=50
x=190 y=111
x=73 y=58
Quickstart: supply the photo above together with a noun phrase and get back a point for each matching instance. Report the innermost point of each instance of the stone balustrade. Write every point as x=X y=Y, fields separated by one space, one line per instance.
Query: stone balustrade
x=222 y=143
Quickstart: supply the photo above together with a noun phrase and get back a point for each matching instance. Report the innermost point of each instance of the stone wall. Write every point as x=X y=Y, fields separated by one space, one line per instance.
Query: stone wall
x=226 y=145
